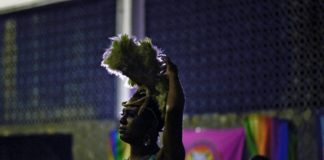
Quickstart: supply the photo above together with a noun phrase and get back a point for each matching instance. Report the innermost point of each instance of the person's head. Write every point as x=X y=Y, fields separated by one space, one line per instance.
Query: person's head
x=141 y=119
x=259 y=157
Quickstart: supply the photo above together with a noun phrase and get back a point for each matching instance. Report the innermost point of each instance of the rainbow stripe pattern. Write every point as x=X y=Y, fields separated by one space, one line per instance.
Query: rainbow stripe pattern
x=270 y=137
x=118 y=150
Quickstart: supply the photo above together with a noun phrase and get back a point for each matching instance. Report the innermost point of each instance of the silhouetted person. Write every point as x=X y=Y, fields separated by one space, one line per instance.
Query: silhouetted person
x=141 y=122
x=259 y=157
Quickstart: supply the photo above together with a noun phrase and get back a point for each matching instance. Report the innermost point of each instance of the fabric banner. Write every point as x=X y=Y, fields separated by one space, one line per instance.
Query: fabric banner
x=270 y=137
x=214 y=144
x=118 y=150
x=321 y=134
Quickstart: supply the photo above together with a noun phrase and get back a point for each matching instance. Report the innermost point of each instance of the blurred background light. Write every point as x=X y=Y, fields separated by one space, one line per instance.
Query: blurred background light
x=7 y=6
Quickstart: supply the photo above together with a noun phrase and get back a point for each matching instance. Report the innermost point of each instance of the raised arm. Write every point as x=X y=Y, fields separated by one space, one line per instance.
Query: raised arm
x=172 y=134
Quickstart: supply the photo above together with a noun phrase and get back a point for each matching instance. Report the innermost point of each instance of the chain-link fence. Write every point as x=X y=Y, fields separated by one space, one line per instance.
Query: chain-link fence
x=50 y=63
x=236 y=57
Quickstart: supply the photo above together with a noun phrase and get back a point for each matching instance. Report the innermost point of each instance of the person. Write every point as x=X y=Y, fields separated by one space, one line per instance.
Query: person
x=141 y=121
x=259 y=157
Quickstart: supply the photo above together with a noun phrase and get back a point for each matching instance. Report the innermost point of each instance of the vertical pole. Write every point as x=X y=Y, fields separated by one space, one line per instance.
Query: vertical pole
x=123 y=26
x=130 y=20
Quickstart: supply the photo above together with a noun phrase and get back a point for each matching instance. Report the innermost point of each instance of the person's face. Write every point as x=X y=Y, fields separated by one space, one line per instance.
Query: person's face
x=133 y=127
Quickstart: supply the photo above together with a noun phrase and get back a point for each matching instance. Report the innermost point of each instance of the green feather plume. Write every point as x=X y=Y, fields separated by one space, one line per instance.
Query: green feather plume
x=141 y=62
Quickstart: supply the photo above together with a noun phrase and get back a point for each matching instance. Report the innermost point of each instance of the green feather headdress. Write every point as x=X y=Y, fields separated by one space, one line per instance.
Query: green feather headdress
x=141 y=62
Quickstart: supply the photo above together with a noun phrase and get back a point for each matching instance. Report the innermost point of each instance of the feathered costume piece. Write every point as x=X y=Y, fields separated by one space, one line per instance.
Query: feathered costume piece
x=141 y=62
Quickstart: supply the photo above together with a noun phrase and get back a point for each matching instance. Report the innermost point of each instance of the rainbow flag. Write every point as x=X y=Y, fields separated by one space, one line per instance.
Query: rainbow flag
x=118 y=150
x=270 y=137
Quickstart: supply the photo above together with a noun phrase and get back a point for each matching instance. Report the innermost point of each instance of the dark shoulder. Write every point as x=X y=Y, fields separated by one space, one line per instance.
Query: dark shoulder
x=164 y=155
x=159 y=155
